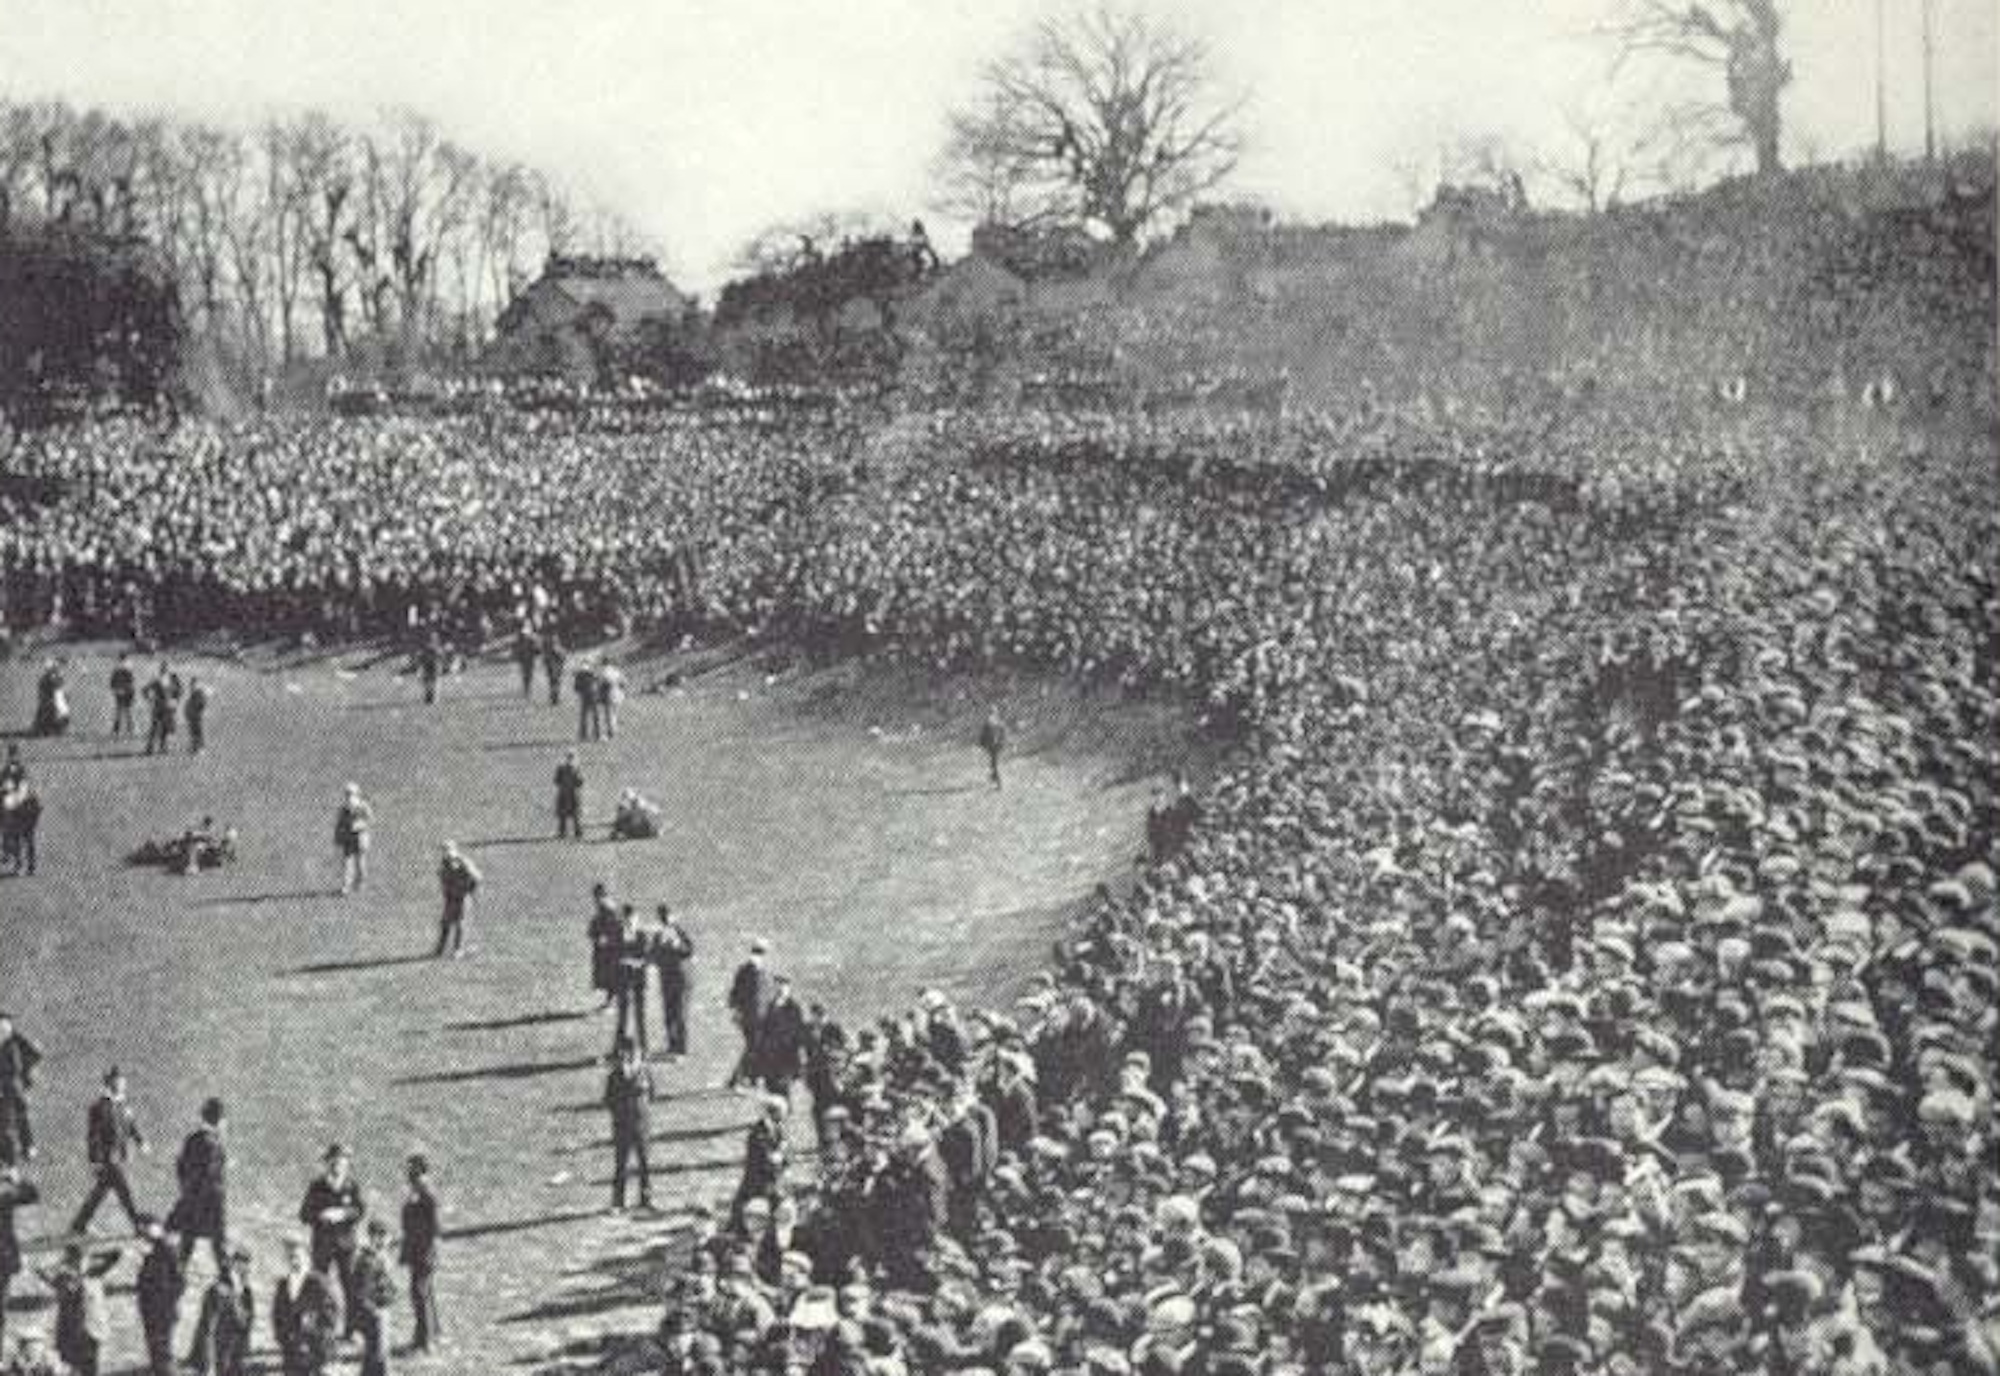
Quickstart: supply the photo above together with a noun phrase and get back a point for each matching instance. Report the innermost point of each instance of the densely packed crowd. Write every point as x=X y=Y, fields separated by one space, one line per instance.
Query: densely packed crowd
x=1587 y=962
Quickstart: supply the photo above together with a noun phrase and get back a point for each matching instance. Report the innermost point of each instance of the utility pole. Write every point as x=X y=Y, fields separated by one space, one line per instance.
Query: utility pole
x=1930 y=102
x=1881 y=83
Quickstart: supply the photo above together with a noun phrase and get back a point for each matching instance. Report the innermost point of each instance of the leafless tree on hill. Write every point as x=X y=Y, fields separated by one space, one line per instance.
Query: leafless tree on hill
x=1741 y=41
x=1110 y=118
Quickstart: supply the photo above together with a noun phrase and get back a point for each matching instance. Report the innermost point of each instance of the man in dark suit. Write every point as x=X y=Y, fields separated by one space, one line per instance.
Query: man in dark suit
x=525 y=653
x=195 y=709
x=161 y=1281
x=763 y=1159
x=18 y=1058
x=781 y=1039
x=419 y=1253
x=333 y=1209
x=673 y=956
x=202 y=1170
x=304 y=1315
x=628 y=1094
x=15 y=1193
x=111 y=1136
x=124 y=691
x=374 y=1293
x=553 y=659
x=569 y=798
x=163 y=699
x=749 y=999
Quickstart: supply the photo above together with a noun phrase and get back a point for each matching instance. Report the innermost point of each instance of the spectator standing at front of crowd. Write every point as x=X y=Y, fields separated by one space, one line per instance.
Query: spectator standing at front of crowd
x=569 y=797
x=374 y=1295
x=16 y=1193
x=352 y=822
x=458 y=881
x=993 y=740
x=202 y=1170
x=124 y=691
x=304 y=1315
x=418 y=1251
x=18 y=1058
x=749 y=999
x=111 y=1137
x=526 y=652
x=610 y=695
x=333 y=1209
x=554 y=657
x=227 y=1325
x=588 y=719
x=781 y=1040
x=430 y=665
x=196 y=711
x=764 y=1159
x=83 y=1314
x=161 y=1281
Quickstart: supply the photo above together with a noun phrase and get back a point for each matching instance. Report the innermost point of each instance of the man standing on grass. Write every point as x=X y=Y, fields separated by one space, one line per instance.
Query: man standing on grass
x=673 y=953
x=635 y=968
x=196 y=711
x=351 y=824
x=202 y=1171
x=628 y=1094
x=525 y=652
x=584 y=681
x=18 y=1058
x=163 y=700
x=569 y=797
x=993 y=740
x=553 y=658
x=111 y=1137
x=749 y=999
x=333 y=1209
x=419 y=1252
x=458 y=880
x=124 y=691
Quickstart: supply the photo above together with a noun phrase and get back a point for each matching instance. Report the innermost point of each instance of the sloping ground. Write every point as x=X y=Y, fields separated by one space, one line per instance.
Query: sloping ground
x=842 y=814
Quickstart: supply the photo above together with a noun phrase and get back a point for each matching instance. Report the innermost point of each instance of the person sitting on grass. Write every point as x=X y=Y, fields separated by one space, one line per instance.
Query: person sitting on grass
x=637 y=818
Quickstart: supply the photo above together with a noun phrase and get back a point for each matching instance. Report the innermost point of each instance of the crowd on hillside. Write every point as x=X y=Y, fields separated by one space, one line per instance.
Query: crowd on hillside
x=1586 y=964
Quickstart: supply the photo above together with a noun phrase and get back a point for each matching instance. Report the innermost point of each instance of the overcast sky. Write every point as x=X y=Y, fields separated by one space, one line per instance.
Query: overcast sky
x=704 y=120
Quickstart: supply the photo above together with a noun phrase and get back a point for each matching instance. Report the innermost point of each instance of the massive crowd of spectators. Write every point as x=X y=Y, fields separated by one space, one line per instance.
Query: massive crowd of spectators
x=1585 y=962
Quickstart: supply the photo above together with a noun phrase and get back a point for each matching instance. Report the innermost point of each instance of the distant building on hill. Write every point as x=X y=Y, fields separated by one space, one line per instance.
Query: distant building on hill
x=566 y=319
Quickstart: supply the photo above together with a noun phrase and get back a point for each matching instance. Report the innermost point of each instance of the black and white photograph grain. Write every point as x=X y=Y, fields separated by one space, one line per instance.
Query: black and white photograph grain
x=999 y=688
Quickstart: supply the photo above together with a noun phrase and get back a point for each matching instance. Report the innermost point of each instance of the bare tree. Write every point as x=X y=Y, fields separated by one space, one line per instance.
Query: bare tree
x=1109 y=118
x=1738 y=40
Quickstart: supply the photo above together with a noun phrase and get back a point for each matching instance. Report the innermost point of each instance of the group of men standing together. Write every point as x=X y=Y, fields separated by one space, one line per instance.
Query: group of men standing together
x=337 y=1285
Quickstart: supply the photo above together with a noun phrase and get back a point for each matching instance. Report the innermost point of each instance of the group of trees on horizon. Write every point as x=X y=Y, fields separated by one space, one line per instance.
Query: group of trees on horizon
x=306 y=238
x=302 y=236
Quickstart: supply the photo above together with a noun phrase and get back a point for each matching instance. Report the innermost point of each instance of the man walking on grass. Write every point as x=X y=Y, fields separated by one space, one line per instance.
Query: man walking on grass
x=111 y=1137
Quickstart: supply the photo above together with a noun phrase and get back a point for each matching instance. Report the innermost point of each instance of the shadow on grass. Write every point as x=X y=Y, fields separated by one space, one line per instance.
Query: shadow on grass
x=524 y=1020
x=940 y=791
x=522 y=1070
x=627 y=1281
x=562 y=743
x=504 y=1227
x=236 y=900
x=342 y=967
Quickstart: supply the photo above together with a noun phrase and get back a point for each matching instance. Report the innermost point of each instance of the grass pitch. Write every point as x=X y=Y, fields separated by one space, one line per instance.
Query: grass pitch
x=843 y=814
